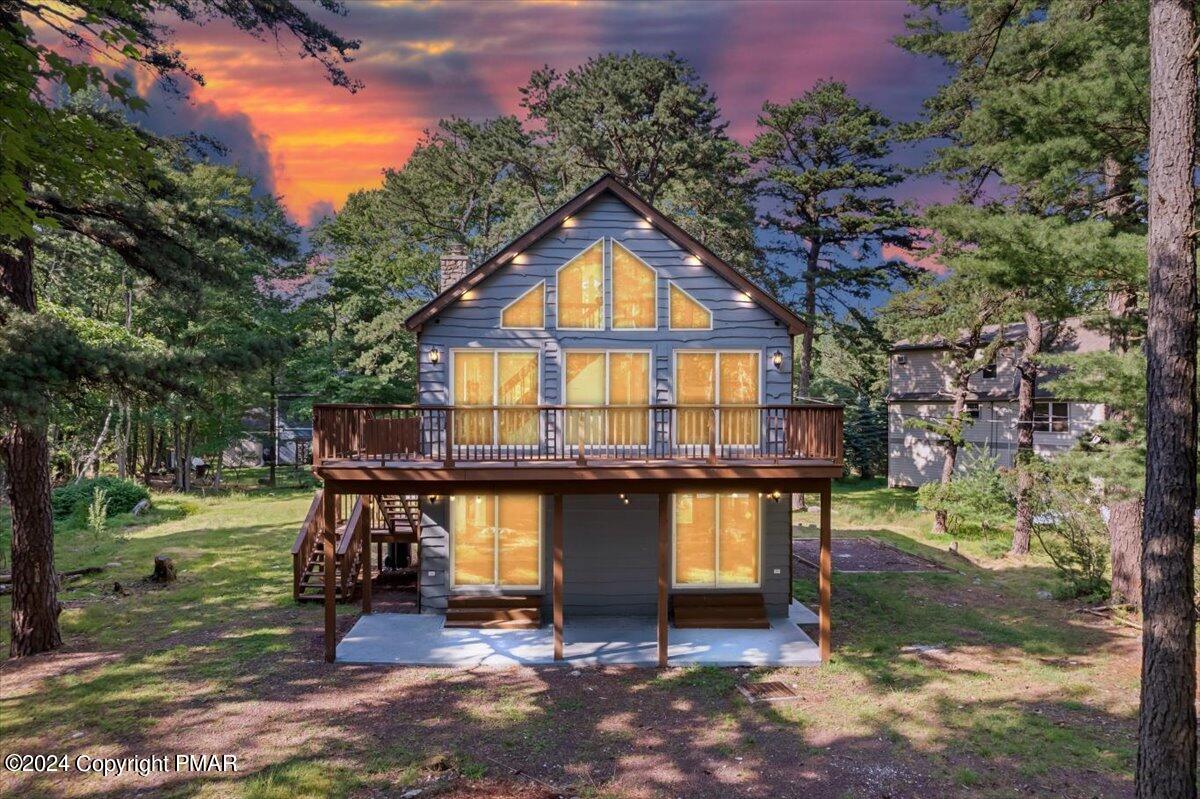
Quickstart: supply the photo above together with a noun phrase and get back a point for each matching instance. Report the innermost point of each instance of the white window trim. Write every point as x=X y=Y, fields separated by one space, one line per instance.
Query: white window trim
x=562 y=381
x=612 y=284
x=716 y=387
x=558 y=294
x=540 y=284
x=675 y=584
x=495 y=584
x=495 y=351
x=691 y=297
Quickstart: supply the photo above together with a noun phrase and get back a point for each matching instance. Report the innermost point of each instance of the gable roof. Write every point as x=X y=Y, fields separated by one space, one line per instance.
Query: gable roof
x=607 y=183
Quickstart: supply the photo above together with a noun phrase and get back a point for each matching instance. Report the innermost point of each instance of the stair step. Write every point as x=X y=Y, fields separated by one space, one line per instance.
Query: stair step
x=494 y=601
x=717 y=599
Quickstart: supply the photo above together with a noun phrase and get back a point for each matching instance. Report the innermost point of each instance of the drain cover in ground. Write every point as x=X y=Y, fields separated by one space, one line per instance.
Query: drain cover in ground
x=767 y=692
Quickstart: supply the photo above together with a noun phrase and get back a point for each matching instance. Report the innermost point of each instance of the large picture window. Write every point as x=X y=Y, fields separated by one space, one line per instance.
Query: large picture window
x=504 y=385
x=634 y=291
x=607 y=379
x=497 y=540
x=725 y=379
x=580 y=290
x=716 y=540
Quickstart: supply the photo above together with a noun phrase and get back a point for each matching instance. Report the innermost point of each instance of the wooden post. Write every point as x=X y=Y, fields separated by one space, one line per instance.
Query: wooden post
x=713 y=423
x=791 y=551
x=664 y=534
x=329 y=531
x=826 y=573
x=448 y=455
x=368 y=502
x=557 y=590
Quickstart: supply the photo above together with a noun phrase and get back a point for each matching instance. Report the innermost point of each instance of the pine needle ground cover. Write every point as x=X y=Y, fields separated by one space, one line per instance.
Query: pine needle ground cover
x=961 y=682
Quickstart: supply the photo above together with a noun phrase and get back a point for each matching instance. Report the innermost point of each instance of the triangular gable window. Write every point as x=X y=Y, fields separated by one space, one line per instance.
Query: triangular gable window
x=527 y=312
x=687 y=313
x=634 y=291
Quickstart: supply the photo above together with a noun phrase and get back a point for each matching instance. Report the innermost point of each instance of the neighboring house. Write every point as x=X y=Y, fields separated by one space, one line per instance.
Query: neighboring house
x=919 y=388
x=605 y=428
x=293 y=441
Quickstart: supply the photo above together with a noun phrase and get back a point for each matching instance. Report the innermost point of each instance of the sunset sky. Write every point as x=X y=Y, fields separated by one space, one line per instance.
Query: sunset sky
x=314 y=143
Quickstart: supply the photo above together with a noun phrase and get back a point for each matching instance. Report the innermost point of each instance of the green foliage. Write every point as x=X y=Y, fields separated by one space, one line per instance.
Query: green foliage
x=851 y=368
x=1068 y=525
x=119 y=496
x=97 y=514
x=979 y=497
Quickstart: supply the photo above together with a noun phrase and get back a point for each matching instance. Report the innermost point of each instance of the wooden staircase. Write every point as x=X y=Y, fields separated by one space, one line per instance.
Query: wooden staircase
x=312 y=581
x=720 y=610
x=402 y=520
x=495 y=612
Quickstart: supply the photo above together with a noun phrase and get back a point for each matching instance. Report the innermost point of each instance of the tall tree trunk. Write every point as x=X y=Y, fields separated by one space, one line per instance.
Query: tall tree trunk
x=1120 y=211
x=26 y=451
x=1166 y=763
x=90 y=462
x=1125 y=544
x=941 y=521
x=180 y=468
x=804 y=383
x=148 y=464
x=1028 y=367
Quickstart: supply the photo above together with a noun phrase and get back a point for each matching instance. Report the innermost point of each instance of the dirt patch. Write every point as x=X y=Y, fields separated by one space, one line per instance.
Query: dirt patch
x=861 y=555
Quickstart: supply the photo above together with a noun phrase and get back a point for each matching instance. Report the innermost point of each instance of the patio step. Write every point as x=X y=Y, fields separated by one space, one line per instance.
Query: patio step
x=720 y=611
x=495 y=612
x=491 y=601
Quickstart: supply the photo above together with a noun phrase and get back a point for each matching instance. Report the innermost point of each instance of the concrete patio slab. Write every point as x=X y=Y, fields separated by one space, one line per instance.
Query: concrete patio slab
x=422 y=640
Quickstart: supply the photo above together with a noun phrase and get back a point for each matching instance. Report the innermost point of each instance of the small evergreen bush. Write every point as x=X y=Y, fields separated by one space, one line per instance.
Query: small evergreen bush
x=979 y=496
x=122 y=495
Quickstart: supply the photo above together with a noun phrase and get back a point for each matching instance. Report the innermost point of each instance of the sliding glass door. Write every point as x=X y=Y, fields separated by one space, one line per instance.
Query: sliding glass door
x=504 y=385
x=617 y=385
x=723 y=379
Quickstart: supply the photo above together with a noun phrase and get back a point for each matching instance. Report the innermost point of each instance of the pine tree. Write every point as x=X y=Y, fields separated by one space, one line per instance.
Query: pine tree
x=822 y=159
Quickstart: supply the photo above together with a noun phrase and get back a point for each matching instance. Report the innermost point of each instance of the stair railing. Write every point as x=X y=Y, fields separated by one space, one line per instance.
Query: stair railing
x=306 y=539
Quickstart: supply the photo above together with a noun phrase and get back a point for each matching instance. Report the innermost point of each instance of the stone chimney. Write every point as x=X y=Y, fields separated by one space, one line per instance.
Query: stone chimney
x=453 y=265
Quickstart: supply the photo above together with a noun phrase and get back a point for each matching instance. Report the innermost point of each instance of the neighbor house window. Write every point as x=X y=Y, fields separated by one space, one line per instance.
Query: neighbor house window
x=634 y=291
x=1050 y=417
x=527 y=311
x=716 y=540
x=611 y=379
x=686 y=313
x=504 y=385
x=726 y=379
x=989 y=371
x=580 y=290
x=971 y=410
x=496 y=540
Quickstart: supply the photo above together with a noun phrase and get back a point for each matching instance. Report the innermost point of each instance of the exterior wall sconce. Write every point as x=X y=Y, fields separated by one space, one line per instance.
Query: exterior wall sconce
x=435 y=355
x=433 y=498
x=624 y=499
x=777 y=359
x=775 y=495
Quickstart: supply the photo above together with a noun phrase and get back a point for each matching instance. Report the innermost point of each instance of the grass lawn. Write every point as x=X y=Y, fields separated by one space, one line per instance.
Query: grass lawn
x=1011 y=695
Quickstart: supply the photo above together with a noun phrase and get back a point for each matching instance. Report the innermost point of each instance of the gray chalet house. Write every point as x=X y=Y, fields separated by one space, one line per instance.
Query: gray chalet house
x=919 y=389
x=604 y=430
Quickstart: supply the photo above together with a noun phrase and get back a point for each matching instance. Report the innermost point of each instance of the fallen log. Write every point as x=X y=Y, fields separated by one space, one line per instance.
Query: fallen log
x=7 y=578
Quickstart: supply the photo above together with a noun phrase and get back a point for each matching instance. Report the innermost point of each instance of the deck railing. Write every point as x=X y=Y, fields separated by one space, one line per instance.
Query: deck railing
x=452 y=434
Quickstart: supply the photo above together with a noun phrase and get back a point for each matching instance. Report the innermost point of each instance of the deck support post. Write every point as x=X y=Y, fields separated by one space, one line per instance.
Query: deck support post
x=329 y=534
x=825 y=577
x=664 y=534
x=557 y=590
x=368 y=501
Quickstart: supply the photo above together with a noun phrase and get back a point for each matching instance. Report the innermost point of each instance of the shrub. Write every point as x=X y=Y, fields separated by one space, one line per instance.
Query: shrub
x=122 y=495
x=1070 y=529
x=978 y=496
x=97 y=512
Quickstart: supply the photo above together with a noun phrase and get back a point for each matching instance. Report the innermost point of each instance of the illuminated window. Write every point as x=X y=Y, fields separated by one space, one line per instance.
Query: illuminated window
x=716 y=540
x=724 y=379
x=686 y=312
x=634 y=291
x=496 y=540
x=580 y=290
x=504 y=385
x=611 y=379
x=527 y=311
